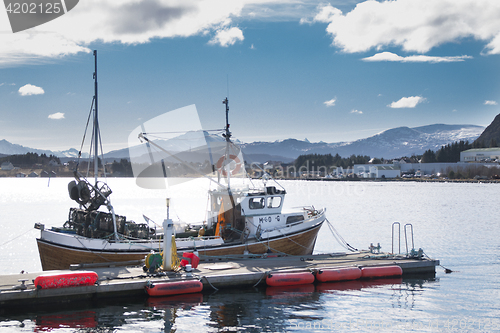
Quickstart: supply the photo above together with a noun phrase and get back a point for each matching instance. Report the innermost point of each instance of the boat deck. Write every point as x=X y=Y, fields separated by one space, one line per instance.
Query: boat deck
x=118 y=281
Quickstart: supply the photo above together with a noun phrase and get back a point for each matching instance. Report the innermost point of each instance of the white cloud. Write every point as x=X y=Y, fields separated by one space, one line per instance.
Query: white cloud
x=356 y=111
x=126 y=22
x=407 y=102
x=388 y=56
x=327 y=13
x=226 y=37
x=57 y=115
x=415 y=25
x=29 y=89
x=330 y=102
x=490 y=103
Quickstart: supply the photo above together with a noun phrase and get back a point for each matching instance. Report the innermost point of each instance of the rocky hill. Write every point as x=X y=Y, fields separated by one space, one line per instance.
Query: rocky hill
x=491 y=134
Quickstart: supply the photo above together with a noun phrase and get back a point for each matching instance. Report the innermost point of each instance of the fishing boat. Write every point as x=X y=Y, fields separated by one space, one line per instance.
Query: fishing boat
x=241 y=220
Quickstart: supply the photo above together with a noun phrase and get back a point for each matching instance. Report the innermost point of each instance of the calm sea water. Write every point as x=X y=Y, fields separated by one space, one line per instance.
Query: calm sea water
x=455 y=223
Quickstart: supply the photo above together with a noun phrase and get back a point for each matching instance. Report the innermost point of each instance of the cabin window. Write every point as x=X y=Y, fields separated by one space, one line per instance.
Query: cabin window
x=294 y=218
x=256 y=203
x=273 y=202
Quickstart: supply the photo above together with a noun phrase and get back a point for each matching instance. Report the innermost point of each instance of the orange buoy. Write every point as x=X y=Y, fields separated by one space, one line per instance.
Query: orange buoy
x=338 y=274
x=289 y=279
x=174 y=288
x=380 y=271
x=63 y=280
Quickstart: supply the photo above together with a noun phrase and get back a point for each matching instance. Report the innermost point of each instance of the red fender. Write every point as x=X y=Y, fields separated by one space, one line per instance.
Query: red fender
x=174 y=288
x=338 y=274
x=380 y=271
x=63 y=280
x=289 y=279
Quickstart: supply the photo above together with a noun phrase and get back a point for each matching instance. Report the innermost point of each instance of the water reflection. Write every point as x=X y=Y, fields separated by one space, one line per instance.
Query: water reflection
x=169 y=306
x=77 y=319
x=248 y=310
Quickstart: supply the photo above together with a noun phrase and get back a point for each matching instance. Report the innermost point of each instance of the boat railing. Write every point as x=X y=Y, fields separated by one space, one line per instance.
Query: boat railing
x=149 y=240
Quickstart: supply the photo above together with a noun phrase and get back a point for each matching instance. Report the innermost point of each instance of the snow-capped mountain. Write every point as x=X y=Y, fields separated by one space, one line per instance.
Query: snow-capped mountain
x=405 y=141
x=392 y=143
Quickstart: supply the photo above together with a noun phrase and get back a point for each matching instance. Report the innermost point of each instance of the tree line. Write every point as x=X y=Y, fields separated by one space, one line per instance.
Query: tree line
x=30 y=159
x=451 y=152
x=328 y=161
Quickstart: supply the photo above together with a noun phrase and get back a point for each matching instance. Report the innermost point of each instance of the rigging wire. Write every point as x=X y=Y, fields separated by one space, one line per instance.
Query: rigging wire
x=102 y=158
x=90 y=155
x=85 y=132
x=183 y=132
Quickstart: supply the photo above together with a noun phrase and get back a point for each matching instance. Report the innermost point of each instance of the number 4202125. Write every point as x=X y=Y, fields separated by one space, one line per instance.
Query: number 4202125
x=34 y=8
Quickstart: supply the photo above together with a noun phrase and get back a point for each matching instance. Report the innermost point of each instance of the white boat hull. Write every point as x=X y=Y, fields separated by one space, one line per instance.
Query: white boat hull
x=59 y=250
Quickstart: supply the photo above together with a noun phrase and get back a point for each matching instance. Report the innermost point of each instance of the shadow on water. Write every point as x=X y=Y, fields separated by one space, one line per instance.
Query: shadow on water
x=263 y=309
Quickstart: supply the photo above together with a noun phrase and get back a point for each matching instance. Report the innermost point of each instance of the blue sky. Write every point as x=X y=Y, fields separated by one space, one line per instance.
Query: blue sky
x=326 y=71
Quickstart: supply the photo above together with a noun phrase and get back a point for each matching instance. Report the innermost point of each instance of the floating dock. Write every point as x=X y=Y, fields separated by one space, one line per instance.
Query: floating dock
x=19 y=290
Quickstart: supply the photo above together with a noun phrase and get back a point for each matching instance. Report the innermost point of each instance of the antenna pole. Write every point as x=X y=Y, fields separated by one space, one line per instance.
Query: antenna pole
x=227 y=135
x=96 y=124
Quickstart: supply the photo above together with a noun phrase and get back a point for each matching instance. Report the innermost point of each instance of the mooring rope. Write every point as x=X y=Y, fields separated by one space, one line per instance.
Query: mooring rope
x=339 y=238
x=24 y=233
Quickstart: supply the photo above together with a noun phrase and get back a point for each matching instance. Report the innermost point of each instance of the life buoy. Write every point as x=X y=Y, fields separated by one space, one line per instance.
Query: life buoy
x=233 y=158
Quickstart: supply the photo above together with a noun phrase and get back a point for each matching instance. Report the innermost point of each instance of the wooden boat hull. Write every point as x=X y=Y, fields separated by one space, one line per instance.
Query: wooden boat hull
x=55 y=256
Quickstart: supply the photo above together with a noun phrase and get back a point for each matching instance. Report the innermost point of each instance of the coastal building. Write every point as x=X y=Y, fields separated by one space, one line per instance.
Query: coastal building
x=7 y=166
x=385 y=171
x=416 y=169
x=480 y=155
x=53 y=163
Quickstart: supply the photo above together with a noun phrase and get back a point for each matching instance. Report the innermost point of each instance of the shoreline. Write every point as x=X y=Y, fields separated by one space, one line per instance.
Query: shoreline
x=417 y=180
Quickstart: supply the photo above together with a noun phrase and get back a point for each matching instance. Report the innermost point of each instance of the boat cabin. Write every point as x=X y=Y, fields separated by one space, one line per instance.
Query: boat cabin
x=231 y=210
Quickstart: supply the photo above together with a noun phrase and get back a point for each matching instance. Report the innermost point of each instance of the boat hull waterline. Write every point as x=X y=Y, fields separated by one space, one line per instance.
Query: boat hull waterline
x=57 y=254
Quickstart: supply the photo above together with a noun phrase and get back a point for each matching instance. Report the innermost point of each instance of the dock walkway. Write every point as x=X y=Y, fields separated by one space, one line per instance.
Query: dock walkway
x=222 y=273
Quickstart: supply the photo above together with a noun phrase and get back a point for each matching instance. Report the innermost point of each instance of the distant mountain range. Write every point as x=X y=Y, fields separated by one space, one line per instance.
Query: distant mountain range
x=392 y=143
x=7 y=148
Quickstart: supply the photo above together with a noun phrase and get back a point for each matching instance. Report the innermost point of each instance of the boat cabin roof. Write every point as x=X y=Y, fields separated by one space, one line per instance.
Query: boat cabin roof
x=257 y=201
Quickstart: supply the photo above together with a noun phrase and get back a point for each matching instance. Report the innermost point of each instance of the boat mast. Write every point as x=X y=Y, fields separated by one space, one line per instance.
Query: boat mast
x=96 y=151
x=96 y=124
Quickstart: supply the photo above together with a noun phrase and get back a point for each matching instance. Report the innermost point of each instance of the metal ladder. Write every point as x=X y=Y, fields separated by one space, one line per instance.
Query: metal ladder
x=408 y=227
